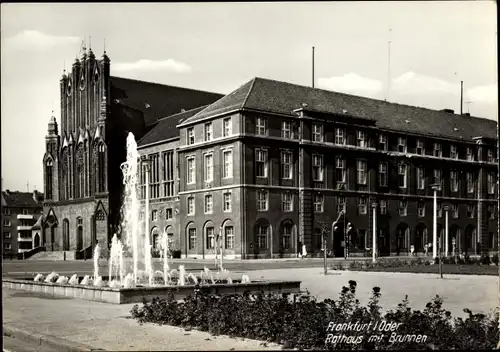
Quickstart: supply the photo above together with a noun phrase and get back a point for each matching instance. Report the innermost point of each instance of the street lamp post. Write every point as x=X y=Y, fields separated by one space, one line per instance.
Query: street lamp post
x=221 y=247
x=374 y=245
x=436 y=187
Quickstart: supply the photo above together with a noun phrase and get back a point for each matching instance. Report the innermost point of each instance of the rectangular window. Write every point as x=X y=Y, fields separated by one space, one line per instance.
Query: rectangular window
x=154 y=215
x=340 y=204
x=287 y=202
x=25 y=211
x=383 y=207
x=382 y=142
x=261 y=126
x=471 y=210
x=210 y=237
x=402 y=175
x=420 y=178
x=469 y=154
x=453 y=180
x=438 y=177
x=286 y=165
x=6 y=223
x=7 y=235
x=190 y=136
x=438 y=152
x=470 y=182
x=262 y=202
x=7 y=246
x=420 y=147
x=362 y=207
x=192 y=239
x=208 y=131
x=340 y=172
x=154 y=176
x=401 y=144
x=363 y=239
x=227 y=201
x=229 y=237
x=454 y=211
x=491 y=183
x=191 y=170
x=227 y=155
x=286 y=129
x=286 y=235
x=318 y=203
x=261 y=163
x=490 y=157
x=453 y=152
x=339 y=136
x=317 y=132
x=382 y=174
x=361 y=169
x=227 y=127
x=317 y=167
x=403 y=207
x=168 y=213
x=168 y=174
x=262 y=237
x=190 y=206
x=361 y=139
x=421 y=209
x=209 y=168
x=208 y=204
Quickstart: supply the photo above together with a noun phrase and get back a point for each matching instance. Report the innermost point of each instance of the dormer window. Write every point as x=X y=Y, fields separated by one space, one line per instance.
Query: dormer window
x=453 y=152
x=420 y=147
x=361 y=139
x=402 y=144
x=438 y=152
x=382 y=142
x=190 y=136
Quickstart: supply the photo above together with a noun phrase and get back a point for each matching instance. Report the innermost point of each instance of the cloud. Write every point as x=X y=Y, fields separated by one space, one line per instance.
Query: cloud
x=351 y=83
x=150 y=65
x=483 y=94
x=35 y=40
x=413 y=83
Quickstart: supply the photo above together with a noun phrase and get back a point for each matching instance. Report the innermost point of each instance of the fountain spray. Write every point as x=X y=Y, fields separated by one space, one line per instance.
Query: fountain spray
x=97 y=254
x=165 y=256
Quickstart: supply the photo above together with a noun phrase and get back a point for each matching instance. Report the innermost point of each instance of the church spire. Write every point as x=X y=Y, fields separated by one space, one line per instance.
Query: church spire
x=52 y=126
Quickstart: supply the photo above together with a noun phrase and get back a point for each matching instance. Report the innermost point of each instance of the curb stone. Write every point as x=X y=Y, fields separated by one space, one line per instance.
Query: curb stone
x=47 y=340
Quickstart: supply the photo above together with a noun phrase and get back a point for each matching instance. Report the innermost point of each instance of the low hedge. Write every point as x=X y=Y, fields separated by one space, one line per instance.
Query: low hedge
x=301 y=322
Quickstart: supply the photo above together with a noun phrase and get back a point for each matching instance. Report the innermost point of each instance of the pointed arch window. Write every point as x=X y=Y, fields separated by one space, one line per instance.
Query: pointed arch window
x=82 y=80
x=65 y=174
x=70 y=87
x=79 y=186
x=49 y=167
x=96 y=74
x=100 y=167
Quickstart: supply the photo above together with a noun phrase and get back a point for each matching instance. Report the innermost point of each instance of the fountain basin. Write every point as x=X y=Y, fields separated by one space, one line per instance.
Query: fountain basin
x=137 y=294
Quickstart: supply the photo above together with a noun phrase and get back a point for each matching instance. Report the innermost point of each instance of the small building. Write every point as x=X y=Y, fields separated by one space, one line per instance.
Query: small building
x=20 y=211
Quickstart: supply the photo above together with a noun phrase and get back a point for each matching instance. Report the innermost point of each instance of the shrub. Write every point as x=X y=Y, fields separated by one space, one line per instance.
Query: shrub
x=301 y=322
x=485 y=259
x=176 y=254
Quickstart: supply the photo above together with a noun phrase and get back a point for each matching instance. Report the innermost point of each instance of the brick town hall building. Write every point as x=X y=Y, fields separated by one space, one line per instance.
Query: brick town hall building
x=267 y=166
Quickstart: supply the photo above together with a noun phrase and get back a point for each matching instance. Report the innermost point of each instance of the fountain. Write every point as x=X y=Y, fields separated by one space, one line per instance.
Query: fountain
x=131 y=285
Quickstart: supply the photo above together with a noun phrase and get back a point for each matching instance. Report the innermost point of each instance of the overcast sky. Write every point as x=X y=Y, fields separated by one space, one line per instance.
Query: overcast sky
x=220 y=46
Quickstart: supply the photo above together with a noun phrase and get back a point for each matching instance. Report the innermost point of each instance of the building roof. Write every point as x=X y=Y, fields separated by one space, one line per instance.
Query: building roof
x=157 y=100
x=38 y=224
x=167 y=127
x=282 y=97
x=21 y=199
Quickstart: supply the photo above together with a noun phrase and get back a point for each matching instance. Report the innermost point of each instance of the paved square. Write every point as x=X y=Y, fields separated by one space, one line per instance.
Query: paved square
x=479 y=293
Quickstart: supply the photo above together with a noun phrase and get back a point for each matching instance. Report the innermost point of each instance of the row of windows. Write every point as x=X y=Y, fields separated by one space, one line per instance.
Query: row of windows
x=208 y=207
x=208 y=135
x=7 y=211
x=318 y=172
x=161 y=177
x=211 y=238
x=318 y=206
x=208 y=167
x=290 y=131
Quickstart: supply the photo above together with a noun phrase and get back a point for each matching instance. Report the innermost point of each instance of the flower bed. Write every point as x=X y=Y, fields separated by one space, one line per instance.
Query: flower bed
x=304 y=323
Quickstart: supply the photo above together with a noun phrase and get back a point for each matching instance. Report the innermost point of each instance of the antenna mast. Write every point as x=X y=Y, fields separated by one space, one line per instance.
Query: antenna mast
x=389 y=68
x=461 y=97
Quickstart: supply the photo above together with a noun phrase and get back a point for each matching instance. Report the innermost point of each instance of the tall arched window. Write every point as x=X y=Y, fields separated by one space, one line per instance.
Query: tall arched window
x=86 y=176
x=49 y=167
x=101 y=161
x=79 y=172
x=286 y=235
x=65 y=174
